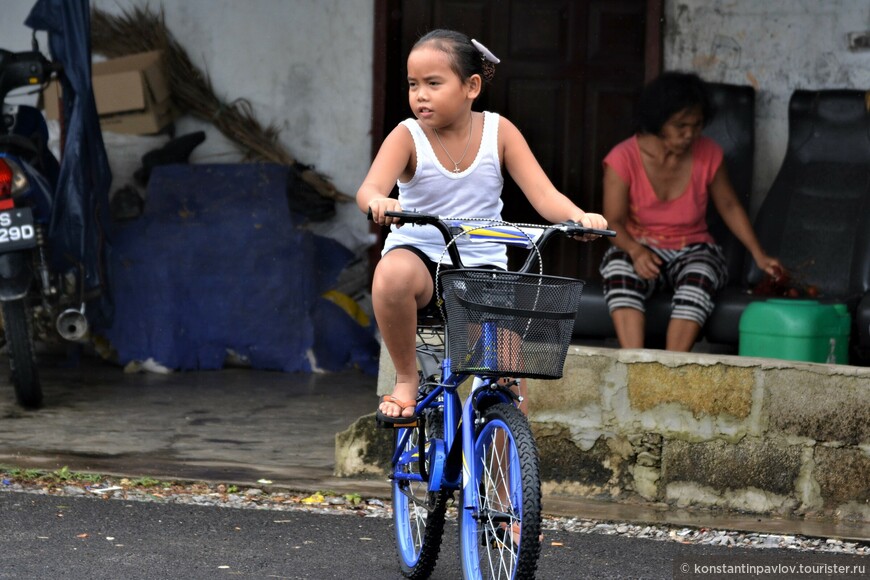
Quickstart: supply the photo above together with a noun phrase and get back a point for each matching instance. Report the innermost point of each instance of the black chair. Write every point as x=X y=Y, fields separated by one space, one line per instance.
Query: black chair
x=733 y=127
x=816 y=216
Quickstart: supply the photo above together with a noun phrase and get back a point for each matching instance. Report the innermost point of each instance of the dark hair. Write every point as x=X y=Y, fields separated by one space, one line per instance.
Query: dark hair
x=670 y=93
x=465 y=59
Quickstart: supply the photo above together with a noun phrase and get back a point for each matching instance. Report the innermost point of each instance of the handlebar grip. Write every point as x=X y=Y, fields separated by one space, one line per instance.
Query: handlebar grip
x=408 y=216
x=584 y=230
x=606 y=233
x=412 y=216
x=398 y=214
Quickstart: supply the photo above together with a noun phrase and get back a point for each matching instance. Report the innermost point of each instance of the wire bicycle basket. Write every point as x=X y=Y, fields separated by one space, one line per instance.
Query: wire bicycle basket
x=509 y=323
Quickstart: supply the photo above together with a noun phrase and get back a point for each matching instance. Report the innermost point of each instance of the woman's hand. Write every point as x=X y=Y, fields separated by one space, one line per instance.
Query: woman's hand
x=379 y=206
x=772 y=266
x=646 y=262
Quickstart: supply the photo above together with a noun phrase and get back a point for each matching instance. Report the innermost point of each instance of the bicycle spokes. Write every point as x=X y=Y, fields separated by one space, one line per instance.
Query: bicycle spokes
x=499 y=519
x=501 y=522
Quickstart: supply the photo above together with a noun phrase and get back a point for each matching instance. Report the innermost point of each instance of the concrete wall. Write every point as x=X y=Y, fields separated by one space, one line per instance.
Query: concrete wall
x=687 y=430
x=775 y=45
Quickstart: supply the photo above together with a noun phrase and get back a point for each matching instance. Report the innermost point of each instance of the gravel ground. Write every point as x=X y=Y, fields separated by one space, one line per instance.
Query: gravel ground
x=266 y=498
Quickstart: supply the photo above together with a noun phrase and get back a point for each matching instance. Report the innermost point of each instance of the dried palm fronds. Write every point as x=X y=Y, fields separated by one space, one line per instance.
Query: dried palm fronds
x=141 y=30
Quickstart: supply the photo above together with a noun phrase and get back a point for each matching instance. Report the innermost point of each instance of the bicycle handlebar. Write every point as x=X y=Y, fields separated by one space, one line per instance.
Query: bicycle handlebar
x=449 y=232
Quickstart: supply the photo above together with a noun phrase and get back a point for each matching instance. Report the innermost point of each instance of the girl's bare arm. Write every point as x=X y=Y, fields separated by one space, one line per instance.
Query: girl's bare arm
x=394 y=161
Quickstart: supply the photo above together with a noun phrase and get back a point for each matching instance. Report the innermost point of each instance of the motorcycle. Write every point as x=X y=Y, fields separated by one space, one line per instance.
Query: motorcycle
x=36 y=303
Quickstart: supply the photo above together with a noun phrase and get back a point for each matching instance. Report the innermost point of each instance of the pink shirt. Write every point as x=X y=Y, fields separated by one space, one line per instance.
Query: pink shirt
x=671 y=224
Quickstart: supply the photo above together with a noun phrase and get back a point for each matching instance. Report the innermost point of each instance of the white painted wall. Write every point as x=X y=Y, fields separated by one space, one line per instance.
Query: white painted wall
x=304 y=65
x=777 y=46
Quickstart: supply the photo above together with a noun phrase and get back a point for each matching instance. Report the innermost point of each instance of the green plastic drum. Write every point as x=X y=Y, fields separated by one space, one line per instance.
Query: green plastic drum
x=802 y=330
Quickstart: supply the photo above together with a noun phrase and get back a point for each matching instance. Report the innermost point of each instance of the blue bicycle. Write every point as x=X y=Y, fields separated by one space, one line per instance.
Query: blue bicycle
x=499 y=326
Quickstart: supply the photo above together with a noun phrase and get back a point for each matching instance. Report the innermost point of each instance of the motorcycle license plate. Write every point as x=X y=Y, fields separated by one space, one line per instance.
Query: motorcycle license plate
x=16 y=229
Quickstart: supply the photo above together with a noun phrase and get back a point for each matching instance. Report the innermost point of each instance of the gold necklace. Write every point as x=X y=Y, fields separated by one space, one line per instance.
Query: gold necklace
x=456 y=163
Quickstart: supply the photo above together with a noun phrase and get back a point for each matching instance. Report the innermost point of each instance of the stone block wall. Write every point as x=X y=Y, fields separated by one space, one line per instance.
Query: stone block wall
x=688 y=430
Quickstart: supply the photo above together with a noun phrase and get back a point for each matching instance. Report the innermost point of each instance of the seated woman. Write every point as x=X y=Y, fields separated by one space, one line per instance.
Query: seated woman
x=656 y=187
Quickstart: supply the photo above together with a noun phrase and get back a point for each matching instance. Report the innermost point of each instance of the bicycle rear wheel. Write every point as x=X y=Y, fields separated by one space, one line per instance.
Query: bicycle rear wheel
x=508 y=500
x=418 y=514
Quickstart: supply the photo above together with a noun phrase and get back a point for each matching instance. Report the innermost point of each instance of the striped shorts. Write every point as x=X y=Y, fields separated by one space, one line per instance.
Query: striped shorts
x=695 y=273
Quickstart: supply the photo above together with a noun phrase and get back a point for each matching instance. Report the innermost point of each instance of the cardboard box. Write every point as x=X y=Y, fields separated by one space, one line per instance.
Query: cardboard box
x=131 y=92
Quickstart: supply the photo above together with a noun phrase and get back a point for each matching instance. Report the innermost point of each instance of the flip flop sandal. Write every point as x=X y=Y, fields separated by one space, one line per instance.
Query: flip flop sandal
x=399 y=421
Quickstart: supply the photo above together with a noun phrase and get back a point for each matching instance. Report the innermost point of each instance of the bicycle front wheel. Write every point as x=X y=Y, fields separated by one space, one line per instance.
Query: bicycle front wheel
x=418 y=514
x=499 y=537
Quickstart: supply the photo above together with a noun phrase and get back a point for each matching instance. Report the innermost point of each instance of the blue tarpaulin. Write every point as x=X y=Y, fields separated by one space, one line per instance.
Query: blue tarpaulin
x=218 y=262
x=77 y=233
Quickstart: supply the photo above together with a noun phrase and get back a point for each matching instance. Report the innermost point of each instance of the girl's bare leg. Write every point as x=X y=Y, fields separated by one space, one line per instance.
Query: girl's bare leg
x=401 y=286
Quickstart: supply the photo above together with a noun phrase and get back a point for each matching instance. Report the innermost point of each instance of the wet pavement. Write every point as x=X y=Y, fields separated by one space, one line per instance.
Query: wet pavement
x=241 y=425
x=234 y=425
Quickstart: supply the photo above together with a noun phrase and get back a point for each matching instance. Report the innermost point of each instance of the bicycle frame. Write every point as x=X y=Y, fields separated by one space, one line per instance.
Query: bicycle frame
x=458 y=428
x=459 y=417
x=429 y=464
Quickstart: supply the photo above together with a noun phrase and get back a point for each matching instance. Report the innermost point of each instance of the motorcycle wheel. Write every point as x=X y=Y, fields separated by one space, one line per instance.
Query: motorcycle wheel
x=22 y=358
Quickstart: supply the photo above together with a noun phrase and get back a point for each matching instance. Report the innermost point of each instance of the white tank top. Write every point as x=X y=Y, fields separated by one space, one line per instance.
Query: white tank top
x=475 y=192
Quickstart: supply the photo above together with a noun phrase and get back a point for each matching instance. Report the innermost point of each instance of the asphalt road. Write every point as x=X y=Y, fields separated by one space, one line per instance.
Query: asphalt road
x=49 y=537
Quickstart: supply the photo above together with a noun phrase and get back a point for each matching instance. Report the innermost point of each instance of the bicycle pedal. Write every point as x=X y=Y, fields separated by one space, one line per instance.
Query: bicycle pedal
x=386 y=425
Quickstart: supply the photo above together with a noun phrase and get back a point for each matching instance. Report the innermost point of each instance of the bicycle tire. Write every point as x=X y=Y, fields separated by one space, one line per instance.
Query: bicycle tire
x=486 y=543
x=22 y=358
x=419 y=519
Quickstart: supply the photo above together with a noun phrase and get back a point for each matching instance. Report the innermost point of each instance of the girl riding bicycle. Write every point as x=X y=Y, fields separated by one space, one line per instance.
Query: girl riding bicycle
x=447 y=161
